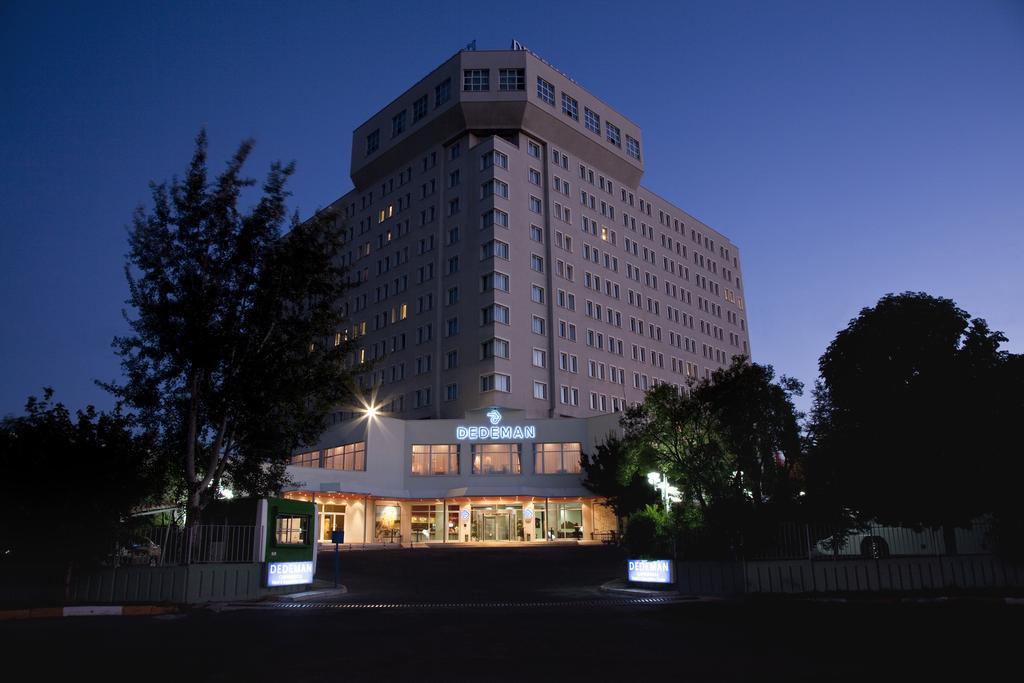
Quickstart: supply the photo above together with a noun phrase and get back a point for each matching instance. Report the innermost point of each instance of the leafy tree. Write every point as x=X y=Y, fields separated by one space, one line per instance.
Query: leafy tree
x=233 y=358
x=914 y=414
x=759 y=426
x=70 y=481
x=682 y=437
x=611 y=473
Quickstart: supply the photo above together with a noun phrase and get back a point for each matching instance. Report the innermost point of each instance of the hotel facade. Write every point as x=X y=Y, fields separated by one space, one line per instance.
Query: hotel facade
x=514 y=289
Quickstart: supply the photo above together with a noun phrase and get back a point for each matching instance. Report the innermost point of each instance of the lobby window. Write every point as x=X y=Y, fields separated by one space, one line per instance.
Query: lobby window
x=387 y=520
x=557 y=458
x=540 y=390
x=309 y=459
x=633 y=147
x=398 y=124
x=350 y=457
x=476 y=80
x=614 y=135
x=419 y=109
x=545 y=91
x=372 y=142
x=496 y=458
x=592 y=121
x=496 y=382
x=570 y=107
x=443 y=92
x=494 y=348
x=511 y=79
x=435 y=459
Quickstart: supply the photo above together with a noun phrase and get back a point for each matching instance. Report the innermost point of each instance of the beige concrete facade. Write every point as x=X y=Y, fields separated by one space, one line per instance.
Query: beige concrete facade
x=610 y=288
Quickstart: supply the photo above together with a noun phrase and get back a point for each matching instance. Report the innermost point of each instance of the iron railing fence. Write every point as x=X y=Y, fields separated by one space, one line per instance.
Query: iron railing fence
x=199 y=544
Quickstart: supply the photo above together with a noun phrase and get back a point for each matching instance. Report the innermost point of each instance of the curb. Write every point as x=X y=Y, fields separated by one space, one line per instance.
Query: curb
x=88 y=611
x=615 y=586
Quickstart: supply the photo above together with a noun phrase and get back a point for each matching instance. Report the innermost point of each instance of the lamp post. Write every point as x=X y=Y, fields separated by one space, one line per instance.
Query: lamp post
x=669 y=494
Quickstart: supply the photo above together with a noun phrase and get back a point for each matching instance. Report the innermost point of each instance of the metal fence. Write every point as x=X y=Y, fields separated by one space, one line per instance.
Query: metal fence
x=796 y=541
x=199 y=544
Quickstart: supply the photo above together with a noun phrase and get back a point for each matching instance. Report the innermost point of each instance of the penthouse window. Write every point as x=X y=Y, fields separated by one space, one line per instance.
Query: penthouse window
x=435 y=459
x=512 y=79
x=633 y=148
x=398 y=124
x=476 y=80
x=350 y=456
x=592 y=121
x=373 y=142
x=557 y=458
x=443 y=92
x=419 y=109
x=570 y=107
x=614 y=135
x=545 y=91
x=496 y=458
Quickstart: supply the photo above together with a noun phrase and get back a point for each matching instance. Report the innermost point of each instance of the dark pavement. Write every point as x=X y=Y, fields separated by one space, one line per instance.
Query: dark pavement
x=591 y=640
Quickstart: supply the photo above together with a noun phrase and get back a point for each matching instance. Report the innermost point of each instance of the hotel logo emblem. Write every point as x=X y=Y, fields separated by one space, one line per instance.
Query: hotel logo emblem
x=494 y=416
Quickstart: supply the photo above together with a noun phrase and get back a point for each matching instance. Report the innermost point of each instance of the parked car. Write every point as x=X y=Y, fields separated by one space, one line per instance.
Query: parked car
x=877 y=542
x=140 y=550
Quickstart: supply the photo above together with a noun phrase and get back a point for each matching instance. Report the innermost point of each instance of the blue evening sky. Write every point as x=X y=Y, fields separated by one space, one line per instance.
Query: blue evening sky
x=849 y=148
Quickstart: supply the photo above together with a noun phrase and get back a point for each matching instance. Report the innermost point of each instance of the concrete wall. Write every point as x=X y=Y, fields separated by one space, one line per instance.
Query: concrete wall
x=898 y=575
x=197 y=583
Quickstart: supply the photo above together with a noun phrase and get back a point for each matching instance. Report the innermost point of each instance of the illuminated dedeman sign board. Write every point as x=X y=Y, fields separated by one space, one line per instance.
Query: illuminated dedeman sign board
x=651 y=571
x=495 y=431
x=289 y=573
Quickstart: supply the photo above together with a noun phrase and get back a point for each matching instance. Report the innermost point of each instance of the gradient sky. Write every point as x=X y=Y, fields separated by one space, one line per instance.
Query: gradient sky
x=850 y=149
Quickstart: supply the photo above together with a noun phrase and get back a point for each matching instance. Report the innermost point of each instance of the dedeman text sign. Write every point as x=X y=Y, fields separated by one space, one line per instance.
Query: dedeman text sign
x=289 y=573
x=495 y=431
x=651 y=571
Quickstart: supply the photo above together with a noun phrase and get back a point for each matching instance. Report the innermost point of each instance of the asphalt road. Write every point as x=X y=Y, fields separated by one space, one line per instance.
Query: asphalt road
x=591 y=639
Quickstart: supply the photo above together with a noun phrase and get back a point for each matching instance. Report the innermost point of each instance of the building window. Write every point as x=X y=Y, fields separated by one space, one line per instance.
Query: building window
x=495 y=313
x=537 y=294
x=496 y=458
x=309 y=459
x=633 y=148
x=373 y=142
x=494 y=280
x=540 y=390
x=592 y=121
x=545 y=91
x=476 y=80
x=536 y=234
x=494 y=348
x=495 y=382
x=350 y=456
x=537 y=325
x=494 y=187
x=398 y=124
x=540 y=357
x=533 y=149
x=512 y=79
x=291 y=529
x=494 y=249
x=419 y=109
x=493 y=158
x=494 y=217
x=570 y=107
x=557 y=458
x=443 y=92
x=435 y=459
x=537 y=263
x=451 y=392
x=613 y=133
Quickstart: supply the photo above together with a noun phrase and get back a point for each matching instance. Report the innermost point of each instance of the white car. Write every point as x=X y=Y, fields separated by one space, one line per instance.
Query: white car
x=883 y=541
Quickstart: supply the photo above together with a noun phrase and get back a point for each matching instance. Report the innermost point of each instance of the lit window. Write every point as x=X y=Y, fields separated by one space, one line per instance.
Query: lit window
x=496 y=458
x=557 y=458
x=435 y=459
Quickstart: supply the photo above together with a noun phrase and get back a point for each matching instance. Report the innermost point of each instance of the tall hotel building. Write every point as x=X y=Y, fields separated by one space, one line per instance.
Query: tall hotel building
x=517 y=288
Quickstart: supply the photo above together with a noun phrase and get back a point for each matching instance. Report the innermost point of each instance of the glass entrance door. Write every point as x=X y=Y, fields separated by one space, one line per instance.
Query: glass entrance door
x=497 y=524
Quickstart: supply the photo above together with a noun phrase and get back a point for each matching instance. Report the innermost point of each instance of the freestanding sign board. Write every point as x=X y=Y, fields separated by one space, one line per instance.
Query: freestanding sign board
x=651 y=571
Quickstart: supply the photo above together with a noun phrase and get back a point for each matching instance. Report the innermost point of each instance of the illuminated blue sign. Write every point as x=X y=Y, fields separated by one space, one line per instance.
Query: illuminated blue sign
x=651 y=571
x=463 y=433
x=289 y=573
